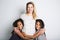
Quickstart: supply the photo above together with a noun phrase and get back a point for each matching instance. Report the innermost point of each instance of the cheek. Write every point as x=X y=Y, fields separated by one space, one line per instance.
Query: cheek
x=36 y=26
x=21 y=26
x=30 y=9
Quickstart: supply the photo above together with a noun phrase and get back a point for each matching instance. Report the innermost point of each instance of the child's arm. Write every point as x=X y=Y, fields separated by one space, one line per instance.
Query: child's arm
x=38 y=33
x=19 y=33
x=29 y=36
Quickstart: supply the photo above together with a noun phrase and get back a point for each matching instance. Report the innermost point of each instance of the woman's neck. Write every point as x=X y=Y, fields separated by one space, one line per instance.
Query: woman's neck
x=29 y=14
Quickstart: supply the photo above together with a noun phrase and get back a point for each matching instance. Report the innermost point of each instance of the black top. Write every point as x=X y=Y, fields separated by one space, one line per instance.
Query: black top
x=15 y=36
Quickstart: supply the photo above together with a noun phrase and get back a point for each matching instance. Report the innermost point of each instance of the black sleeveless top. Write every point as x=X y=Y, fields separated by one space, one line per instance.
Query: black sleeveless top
x=15 y=36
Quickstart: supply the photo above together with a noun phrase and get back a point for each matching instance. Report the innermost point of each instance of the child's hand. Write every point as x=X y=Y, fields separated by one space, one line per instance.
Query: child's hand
x=42 y=31
x=29 y=36
x=24 y=34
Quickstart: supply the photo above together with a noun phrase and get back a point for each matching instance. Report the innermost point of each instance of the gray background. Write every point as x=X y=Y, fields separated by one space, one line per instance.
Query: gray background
x=48 y=10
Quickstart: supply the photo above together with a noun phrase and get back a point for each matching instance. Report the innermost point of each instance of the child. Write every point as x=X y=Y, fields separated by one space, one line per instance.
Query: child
x=18 y=24
x=39 y=26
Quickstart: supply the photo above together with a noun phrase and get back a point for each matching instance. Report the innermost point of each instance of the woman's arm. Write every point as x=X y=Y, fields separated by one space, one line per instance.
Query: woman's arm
x=19 y=33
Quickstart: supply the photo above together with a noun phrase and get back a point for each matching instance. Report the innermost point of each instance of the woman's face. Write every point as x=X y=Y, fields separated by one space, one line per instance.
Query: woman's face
x=30 y=8
x=38 y=25
x=19 y=24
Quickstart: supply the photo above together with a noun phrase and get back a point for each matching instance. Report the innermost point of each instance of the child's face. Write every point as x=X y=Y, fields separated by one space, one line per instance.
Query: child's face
x=38 y=25
x=19 y=25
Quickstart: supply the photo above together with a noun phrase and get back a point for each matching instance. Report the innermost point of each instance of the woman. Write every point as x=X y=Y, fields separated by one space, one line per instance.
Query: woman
x=29 y=19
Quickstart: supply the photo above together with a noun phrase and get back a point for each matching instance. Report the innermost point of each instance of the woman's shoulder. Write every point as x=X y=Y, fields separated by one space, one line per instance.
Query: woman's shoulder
x=23 y=15
x=37 y=17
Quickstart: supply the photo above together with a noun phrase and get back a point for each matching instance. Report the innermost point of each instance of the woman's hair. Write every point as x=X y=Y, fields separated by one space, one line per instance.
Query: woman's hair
x=41 y=23
x=34 y=13
x=18 y=20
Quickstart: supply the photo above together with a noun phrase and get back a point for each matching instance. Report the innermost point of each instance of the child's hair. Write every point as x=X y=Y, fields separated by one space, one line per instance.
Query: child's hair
x=15 y=23
x=41 y=22
x=18 y=20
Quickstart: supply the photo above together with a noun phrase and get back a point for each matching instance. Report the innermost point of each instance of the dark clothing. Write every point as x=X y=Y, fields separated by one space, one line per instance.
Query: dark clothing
x=15 y=37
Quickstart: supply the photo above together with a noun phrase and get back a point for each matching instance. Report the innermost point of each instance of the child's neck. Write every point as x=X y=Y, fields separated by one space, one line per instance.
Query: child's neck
x=18 y=28
x=38 y=28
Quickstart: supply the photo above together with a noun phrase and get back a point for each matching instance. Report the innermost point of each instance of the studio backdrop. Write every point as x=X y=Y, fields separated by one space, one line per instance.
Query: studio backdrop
x=48 y=10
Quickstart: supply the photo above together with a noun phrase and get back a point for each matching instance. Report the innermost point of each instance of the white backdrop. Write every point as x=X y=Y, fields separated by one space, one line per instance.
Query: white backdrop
x=48 y=10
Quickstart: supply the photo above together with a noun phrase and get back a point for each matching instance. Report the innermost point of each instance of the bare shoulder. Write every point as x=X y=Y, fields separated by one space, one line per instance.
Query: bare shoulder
x=43 y=29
